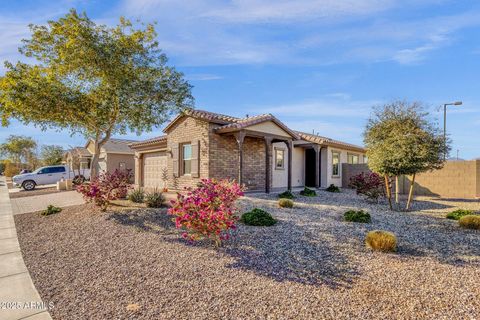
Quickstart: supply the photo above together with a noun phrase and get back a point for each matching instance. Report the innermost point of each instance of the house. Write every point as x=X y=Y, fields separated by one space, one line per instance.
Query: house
x=259 y=151
x=114 y=154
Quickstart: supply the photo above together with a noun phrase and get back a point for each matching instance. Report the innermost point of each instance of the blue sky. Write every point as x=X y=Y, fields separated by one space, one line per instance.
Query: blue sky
x=316 y=65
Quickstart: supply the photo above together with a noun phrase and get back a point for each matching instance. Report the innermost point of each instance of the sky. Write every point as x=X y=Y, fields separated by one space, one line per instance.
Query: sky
x=316 y=65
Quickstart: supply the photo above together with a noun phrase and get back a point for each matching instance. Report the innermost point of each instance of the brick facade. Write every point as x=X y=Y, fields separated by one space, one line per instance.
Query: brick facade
x=186 y=130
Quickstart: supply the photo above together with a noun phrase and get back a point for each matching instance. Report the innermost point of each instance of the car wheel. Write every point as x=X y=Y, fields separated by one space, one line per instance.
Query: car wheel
x=79 y=179
x=28 y=185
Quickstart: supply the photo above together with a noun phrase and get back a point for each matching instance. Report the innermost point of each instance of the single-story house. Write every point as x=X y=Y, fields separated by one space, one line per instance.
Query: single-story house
x=114 y=154
x=259 y=151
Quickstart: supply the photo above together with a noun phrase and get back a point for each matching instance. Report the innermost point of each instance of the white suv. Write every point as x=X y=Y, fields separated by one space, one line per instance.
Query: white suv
x=48 y=175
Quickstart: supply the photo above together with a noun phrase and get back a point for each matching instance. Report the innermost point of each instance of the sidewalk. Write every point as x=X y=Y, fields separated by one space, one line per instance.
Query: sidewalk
x=16 y=286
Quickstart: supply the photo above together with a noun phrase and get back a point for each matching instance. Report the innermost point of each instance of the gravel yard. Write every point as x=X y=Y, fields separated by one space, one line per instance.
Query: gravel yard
x=311 y=265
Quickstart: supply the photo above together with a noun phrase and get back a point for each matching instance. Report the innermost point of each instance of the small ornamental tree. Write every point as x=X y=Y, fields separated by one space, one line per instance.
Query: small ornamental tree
x=106 y=187
x=401 y=140
x=207 y=211
x=92 y=79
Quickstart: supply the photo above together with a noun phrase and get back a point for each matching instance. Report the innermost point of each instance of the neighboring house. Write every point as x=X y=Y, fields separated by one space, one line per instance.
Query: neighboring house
x=260 y=152
x=114 y=154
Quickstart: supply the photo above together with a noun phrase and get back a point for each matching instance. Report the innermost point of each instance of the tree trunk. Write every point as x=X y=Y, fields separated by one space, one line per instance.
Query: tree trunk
x=94 y=163
x=389 y=192
x=410 y=193
x=396 y=189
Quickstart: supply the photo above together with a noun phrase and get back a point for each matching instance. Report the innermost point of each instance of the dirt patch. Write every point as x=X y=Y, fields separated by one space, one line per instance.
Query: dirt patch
x=35 y=192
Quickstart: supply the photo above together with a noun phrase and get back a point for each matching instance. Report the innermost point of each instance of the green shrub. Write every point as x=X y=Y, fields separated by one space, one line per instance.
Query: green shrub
x=154 y=199
x=258 y=217
x=470 y=222
x=137 y=196
x=51 y=209
x=381 y=241
x=286 y=195
x=332 y=188
x=285 y=203
x=457 y=214
x=357 y=216
x=308 y=192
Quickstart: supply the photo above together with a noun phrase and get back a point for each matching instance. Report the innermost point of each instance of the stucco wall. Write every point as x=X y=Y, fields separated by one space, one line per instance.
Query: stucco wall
x=337 y=180
x=113 y=161
x=298 y=167
x=350 y=170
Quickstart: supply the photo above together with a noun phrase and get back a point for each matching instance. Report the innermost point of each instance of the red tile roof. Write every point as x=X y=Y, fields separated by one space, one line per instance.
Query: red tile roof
x=328 y=141
x=148 y=142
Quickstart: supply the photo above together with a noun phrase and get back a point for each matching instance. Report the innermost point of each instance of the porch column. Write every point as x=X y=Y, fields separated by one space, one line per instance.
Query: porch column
x=268 y=162
x=290 y=160
x=240 y=137
x=138 y=169
x=317 y=149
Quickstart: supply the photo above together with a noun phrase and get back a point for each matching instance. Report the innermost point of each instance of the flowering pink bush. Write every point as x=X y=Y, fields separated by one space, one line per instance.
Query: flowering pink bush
x=207 y=211
x=106 y=187
x=370 y=185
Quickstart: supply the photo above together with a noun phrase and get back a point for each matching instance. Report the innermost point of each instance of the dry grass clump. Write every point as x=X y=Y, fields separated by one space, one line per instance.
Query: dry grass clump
x=381 y=241
x=285 y=203
x=470 y=222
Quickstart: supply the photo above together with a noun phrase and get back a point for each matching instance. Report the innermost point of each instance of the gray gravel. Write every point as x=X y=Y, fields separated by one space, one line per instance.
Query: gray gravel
x=311 y=265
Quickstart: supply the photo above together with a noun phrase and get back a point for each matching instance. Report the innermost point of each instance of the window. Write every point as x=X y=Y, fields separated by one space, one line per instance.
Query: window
x=122 y=166
x=187 y=158
x=353 y=158
x=279 y=158
x=335 y=163
x=365 y=159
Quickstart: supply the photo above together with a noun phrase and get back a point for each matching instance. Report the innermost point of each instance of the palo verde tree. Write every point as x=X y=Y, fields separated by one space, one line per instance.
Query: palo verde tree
x=401 y=140
x=93 y=80
x=19 y=149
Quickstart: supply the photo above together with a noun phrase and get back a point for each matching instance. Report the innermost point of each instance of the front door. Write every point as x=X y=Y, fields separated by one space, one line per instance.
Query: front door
x=310 y=162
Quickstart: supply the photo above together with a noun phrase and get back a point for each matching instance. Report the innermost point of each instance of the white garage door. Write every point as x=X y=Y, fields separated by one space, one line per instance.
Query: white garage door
x=154 y=166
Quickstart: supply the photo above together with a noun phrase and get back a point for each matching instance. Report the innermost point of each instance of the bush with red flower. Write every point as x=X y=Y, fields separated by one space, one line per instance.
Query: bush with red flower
x=371 y=185
x=208 y=211
x=106 y=187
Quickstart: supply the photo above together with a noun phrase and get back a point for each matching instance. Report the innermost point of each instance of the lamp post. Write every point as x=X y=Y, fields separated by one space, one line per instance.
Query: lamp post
x=456 y=103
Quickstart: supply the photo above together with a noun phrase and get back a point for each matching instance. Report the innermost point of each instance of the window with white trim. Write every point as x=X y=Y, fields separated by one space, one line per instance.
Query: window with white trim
x=279 y=158
x=335 y=163
x=352 y=158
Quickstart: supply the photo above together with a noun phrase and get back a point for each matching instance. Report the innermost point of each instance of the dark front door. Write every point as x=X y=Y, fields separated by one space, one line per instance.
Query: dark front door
x=310 y=167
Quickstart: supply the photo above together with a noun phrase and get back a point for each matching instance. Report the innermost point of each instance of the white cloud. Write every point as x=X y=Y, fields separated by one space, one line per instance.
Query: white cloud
x=202 y=77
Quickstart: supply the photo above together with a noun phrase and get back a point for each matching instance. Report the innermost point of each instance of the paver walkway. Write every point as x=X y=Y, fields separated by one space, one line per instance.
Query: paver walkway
x=40 y=202
x=18 y=297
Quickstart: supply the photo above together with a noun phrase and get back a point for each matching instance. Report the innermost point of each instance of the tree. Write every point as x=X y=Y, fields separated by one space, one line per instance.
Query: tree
x=401 y=140
x=19 y=149
x=93 y=80
x=51 y=154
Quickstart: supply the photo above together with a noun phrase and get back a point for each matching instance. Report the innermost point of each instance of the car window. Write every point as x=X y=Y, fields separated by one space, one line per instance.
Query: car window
x=57 y=169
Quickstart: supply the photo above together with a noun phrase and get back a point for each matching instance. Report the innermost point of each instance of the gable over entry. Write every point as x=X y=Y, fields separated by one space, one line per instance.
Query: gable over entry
x=267 y=128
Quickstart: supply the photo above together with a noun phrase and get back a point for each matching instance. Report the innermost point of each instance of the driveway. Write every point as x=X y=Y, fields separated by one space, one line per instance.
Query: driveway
x=41 y=202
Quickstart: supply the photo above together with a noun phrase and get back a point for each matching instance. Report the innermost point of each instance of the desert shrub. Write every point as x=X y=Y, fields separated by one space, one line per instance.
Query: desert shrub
x=106 y=187
x=51 y=209
x=285 y=203
x=457 y=214
x=381 y=241
x=357 y=216
x=258 y=217
x=332 y=188
x=286 y=195
x=207 y=211
x=137 y=195
x=11 y=169
x=308 y=192
x=470 y=222
x=371 y=185
x=154 y=199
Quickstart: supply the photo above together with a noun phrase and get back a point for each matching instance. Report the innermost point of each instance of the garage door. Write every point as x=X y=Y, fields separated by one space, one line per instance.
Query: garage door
x=154 y=165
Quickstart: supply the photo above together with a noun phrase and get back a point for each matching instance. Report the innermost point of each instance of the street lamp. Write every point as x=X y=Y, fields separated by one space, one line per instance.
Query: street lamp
x=456 y=103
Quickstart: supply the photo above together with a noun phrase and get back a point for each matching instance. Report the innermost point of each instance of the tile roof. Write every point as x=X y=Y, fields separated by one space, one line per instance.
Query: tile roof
x=328 y=141
x=118 y=145
x=81 y=151
x=149 y=141
x=205 y=115
x=250 y=121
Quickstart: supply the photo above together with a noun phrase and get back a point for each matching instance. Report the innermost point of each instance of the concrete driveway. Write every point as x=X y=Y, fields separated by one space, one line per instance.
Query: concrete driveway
x=41 y=202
